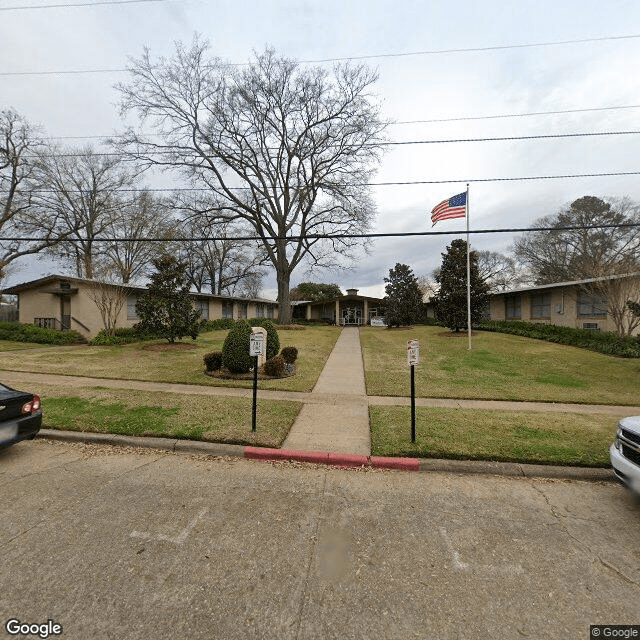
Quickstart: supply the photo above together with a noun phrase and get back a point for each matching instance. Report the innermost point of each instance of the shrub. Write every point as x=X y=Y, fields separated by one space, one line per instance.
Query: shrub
x=275 y=367
x=216 y=325
x=273 y=340
x=602 y=341
x=290 y=354
x=235 y=351
x=213 y=361
x=20 y=332
x=122 y=335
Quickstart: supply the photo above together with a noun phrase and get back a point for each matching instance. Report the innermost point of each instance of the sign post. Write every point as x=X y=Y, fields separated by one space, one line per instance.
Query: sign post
x=413 y=358
x=256 y=349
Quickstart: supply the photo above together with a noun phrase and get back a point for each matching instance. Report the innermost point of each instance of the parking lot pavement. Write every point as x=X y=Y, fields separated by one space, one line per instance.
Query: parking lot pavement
x=121 y=543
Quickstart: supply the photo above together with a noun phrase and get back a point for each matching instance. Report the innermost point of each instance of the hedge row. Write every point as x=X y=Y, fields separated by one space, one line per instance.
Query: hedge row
x=602 y=341
x=123 y=335
x=228 y=323
x=19 y=332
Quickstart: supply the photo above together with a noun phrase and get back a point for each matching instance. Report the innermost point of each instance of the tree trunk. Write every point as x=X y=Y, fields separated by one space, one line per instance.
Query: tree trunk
x=284 y=304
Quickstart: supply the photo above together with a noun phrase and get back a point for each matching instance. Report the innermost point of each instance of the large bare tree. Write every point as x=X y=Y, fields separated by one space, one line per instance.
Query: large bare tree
x=84 y=194
x=20 y=184
x=285 y=147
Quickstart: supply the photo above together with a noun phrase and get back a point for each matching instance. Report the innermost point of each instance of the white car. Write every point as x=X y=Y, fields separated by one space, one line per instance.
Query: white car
x=625 y=452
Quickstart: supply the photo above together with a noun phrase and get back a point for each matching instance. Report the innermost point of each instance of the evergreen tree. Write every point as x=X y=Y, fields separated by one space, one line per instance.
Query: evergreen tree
x=403 y=299
x=166 y=308
x=451 y=301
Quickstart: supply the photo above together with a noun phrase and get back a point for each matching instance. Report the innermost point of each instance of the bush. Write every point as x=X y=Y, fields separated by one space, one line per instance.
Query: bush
x=216 y=325
x=20 y=332
x=275 y=367
x=235 y=351
x=289 y=354
x=123 y=335
x=273 y=340
x=602 y=341
x=213 y=361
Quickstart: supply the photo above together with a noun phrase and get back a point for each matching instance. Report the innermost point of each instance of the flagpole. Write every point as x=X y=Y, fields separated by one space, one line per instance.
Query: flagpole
x=468 y=272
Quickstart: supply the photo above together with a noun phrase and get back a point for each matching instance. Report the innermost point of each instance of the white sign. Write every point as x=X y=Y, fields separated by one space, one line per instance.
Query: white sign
x=256 y=345
x=378 y=322
x=413 y=352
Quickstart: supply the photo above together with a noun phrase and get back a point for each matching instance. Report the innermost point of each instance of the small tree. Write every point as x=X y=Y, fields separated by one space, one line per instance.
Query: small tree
x=109 y=299
x=166 y=308
x=451 y=301
x=403 y=299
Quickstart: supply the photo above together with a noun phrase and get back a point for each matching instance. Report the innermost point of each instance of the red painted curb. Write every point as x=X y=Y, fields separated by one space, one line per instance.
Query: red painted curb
x=348 y=460
x=404 y=464
x=262 y=453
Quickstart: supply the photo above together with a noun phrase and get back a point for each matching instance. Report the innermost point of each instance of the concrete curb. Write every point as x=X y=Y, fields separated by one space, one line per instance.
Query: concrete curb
x=342 y=460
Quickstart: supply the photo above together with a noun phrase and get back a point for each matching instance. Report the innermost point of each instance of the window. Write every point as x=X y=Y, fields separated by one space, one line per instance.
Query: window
x=592 y=305
x=131 y=308
x=270 y=312
x=227 y=309
x=512 y=307
x=541 y=305
x=259 y=310
x=203 y=307
x=242 y=309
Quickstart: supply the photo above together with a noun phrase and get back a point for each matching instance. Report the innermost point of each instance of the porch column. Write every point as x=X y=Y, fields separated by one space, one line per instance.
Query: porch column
x=337 y=312
x=308 y=312
x=365 y=320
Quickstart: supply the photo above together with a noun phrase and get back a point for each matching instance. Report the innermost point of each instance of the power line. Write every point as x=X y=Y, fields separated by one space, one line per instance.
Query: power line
x=378 y=184
x=75 y=4
x=584 y=134
x=340 y=236
x=339 y=59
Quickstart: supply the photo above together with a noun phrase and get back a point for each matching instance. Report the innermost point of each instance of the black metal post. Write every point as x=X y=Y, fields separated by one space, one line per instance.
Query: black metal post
x=255 y=393
x=413 y=404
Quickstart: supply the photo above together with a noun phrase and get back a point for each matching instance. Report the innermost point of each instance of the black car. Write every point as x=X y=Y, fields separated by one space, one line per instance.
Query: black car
x=20 y=415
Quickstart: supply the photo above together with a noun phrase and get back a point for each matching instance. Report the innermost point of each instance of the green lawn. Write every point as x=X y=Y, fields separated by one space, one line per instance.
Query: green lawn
x=513 y=436
x=10 y=345
x=138 y=413
x=499 y=367
x=137 y=362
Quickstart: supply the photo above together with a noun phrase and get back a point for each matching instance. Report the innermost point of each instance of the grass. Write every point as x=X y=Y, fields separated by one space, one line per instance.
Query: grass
x=499 y=367
x=10 y=345
x=137 y=413
x=508 y=436
x=136 y=362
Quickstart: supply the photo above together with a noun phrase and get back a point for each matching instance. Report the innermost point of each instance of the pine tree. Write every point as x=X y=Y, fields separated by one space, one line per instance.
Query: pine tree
x=451 y=301
x=166 y=308
x=403 y=299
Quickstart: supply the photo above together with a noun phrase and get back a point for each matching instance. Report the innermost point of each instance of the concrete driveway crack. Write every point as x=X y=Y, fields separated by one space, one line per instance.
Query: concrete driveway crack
x=312 y=554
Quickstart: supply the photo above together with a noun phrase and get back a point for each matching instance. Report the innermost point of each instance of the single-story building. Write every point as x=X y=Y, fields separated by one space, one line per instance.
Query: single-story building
x=580 y=304
x=349 y=309
x=63 y=302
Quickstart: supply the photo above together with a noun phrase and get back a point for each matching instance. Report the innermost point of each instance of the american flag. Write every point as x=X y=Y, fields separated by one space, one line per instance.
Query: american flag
x=454 y=207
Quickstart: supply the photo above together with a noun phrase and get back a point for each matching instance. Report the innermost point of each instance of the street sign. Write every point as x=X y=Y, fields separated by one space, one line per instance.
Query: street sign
x=256 y=345
x=413 y=352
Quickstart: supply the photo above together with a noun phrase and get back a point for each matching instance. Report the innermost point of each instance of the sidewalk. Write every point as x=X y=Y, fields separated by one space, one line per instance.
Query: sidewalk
x=343 y=426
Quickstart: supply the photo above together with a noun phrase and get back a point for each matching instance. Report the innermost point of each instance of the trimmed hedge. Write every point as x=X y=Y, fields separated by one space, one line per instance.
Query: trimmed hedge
x=290 y=354
x=235 y=351
x=273 y=340
x=604 y=342
x=122 y=335
x=20 y=332
x=216 y=325
x=213 y=361
x=275 y=367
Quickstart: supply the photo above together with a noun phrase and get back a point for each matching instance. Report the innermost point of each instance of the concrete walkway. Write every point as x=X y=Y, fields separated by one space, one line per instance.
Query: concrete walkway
x=343 y=426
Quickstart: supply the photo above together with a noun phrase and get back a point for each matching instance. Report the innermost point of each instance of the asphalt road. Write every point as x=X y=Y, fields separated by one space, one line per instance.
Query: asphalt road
x=117 y=543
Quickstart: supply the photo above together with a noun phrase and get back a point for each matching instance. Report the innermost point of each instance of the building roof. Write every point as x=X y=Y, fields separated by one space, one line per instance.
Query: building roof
x=32 y=284
x=572 y=283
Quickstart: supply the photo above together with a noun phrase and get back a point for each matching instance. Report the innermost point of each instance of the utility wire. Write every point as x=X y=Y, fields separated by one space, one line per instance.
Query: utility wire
x=373 y=184
x=340 y=59
x=75 y=4
x=338 y=236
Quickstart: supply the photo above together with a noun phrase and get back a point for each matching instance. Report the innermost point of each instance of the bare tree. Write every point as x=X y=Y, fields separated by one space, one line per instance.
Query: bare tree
x=499 y=271
x=83 y=194
x=574 y=254
x=288 y=149
x=20 y=179
x=428 y=286
x=109 y=297
x=137 y=217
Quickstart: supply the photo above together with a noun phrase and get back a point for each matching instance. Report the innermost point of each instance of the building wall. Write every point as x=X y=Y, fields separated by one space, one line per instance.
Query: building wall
x=36 y=304
x=563 y=309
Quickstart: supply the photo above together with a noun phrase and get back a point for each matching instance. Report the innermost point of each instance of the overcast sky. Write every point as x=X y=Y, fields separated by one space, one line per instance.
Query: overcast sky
x=419 y=87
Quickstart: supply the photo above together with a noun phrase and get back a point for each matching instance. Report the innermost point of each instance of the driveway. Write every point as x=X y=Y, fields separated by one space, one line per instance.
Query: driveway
x=119 y=543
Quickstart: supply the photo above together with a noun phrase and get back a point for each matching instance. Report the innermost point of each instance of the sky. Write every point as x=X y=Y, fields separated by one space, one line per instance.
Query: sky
x=431 y=86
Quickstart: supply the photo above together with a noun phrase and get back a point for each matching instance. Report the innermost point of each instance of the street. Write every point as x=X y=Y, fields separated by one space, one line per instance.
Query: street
x=122 y=543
